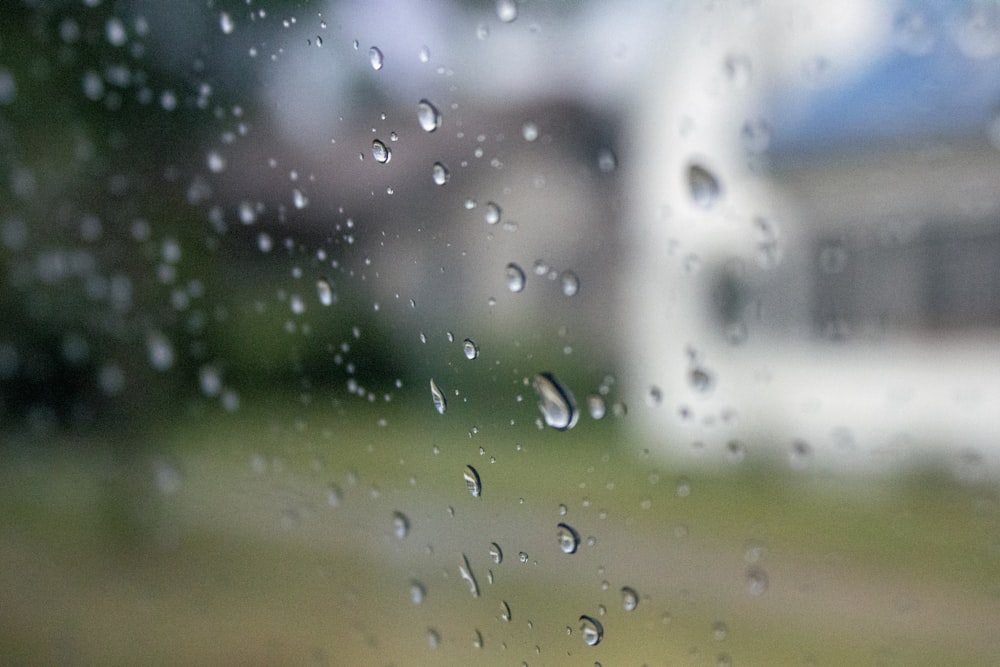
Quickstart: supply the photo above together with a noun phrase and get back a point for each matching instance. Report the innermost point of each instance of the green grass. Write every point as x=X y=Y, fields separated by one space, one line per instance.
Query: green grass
x=246 y=561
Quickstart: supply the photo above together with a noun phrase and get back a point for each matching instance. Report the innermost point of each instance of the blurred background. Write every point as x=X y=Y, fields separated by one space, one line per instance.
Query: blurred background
x=499 y=332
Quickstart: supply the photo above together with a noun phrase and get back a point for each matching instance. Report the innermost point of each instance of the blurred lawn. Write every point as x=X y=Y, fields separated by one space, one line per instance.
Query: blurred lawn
x=216 y=543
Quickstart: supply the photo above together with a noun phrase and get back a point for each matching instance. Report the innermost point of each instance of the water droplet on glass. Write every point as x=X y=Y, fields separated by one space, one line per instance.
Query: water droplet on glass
x=381 y=152
x=325 y=291
x=496 y=553
x=736 y=451
x=506 y=10
x=719 y=631
x=756 y=135
x=472 y=481
x=522 y=557
x=914 y=32
x=492 y=213
x=440 y=402
x=606 y=160
x=800 y=455
x=400 y=525
x=705 y=189
x=529 y=131
x=504 y=611
x=375 y=58
x=591 y=630
x=596 y=406
x=424 y=54
x=417 y=592
x=433 y=638
x=739 y=70
x=757 y=581
x=569 y=282
x=465 y=571
x=515 y=277
x=700 y=380
x=440 y=173
x=630 y=599
x=556 y=403
x=470 y=349
x=654 y=397
x=428 y=116
x=226 y=23
x=569 y=539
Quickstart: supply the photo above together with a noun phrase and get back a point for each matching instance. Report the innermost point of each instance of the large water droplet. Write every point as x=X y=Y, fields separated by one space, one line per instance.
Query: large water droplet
x=428 y=116
x=325 y=291
x=472 y=481
x=381 y=152
x=440 y=402
x=506 y=10
x=400 y=525
x=496 y=553
x=470 y=349
x=515 y=277
x=569 y=539
x=630 y=599
x=556 y=403
x=592 y=630
x=465 y=571
x=440 y=173
x=569 y=282
x=376 y=58
x=705 y=189
x=492 y=213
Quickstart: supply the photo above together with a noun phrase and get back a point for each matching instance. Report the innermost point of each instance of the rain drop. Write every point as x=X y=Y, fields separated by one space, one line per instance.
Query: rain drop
x=596 y=406
x=800 y=455
x=496 y=553
x=428 y=116
x=569 y=539
x=630 y=599
x=736 y=451
x=465 y=571
x=470 y=349
x=376 y=58
x=515 y=277
x=556 y=403
x=226 y=23
x=569 y=282
x=417 y=592
x=705 y=189
x=529 y=131
x=400 y=525
x=492 y=213
x=701 y=380
x=606 y=160
x=504 y=611
x=325 y=291
x=381 y=152
x=440 y=402
x=719 y=631
x=506 y=10
x=757 y=581
x=522 y=557
x=592 y=630
x=472 y=481
x=440 y=173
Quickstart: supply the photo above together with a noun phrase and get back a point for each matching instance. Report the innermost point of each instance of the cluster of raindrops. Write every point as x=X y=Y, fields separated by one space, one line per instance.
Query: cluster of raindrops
x=516 y=279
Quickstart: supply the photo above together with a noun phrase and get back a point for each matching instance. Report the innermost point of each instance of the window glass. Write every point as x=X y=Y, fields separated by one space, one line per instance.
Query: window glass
x=514 y=332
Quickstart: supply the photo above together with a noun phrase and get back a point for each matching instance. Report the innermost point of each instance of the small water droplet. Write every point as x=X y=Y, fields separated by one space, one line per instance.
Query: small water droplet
x=376 y=58
x=569 y=539
x=478 y=641
x=381 y=152
x=607 y=161
x=506 y=10
x=739 y=70
x=496 y=553
x=440 y=173
x=465 y=571
x=504 y=611
x=433 y=638
x=515 y=278
x=522 y=557
x=630 y=599
x=596 y=406
x=654 y=397
x=472 y=481
x=800 y=455
x=683 y=489
x=417 y=592
x=556 y=403
x=591 y=630
x=529 y=131
x=701 y=380
x=428 y=116
x=736 y=451
x=226 y=23
x=569 y=282
x=492 y=213
x=470 y=349
x=325 y=291
x=757 y=581
x=424 y=54
x=719 y=631
x=400 y=525
x=705 y=189
x=440 y=402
